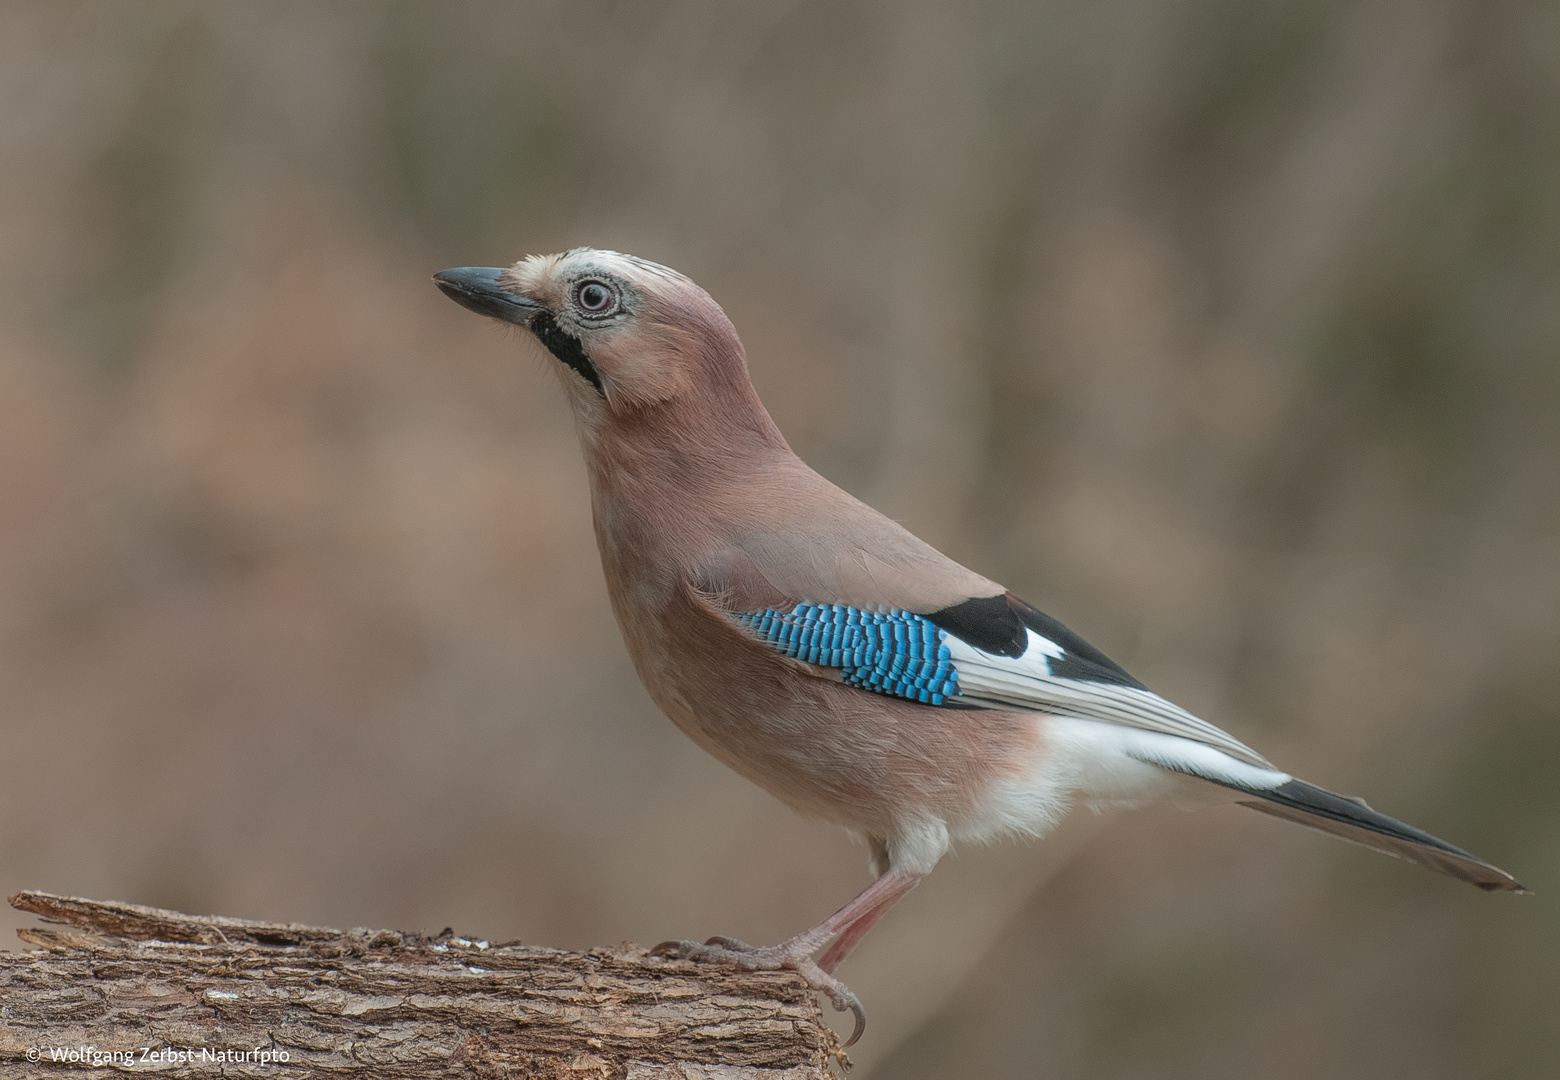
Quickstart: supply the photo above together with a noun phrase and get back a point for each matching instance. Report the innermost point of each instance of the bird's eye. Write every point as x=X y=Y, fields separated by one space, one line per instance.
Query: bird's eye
x=594 y=297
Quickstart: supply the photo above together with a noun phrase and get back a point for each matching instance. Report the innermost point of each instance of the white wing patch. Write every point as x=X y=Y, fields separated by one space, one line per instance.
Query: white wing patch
x=1100 y=744
x=1026 y=683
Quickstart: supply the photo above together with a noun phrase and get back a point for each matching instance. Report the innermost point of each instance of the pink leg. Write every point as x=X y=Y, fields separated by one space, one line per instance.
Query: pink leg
x=851 y=936
x=850 y=923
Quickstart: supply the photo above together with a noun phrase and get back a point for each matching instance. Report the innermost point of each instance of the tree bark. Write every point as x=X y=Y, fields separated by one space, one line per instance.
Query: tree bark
x=212 y=996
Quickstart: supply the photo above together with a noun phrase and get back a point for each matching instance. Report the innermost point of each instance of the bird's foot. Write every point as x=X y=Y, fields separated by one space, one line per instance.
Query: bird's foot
x=725 y=950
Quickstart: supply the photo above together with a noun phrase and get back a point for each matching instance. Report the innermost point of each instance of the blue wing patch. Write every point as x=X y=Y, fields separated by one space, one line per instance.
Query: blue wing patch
x=892 y=652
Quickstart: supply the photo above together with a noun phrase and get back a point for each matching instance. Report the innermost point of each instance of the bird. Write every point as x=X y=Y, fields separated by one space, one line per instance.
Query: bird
x=827 y=654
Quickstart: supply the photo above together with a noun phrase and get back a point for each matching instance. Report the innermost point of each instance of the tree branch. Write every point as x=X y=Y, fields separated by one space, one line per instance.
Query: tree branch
x=212 y=996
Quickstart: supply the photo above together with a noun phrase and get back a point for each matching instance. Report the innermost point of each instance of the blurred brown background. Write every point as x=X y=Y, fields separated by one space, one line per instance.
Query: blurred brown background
x=1227 y=331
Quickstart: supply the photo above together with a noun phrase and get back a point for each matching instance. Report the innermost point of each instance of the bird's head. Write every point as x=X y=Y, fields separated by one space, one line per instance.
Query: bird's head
x=628 y=335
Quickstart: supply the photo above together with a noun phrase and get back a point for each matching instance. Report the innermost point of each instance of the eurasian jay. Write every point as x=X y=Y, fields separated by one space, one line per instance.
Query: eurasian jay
x=824 y=652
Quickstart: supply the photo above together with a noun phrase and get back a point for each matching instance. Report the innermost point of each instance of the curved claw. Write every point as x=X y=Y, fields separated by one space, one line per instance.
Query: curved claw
x=740 y=954
x=734 y=944
x=861 y=1018
x=842 y=997
x=692 y=950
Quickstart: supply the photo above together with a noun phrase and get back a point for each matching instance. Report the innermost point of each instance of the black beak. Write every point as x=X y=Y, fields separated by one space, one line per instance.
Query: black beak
x=477 y=288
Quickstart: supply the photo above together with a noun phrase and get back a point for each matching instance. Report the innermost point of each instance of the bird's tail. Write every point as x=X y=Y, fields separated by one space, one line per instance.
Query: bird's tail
x=1354 y=821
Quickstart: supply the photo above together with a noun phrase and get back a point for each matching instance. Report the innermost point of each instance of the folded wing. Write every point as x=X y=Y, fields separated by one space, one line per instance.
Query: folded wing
x=999 y=652
x=992 y=652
